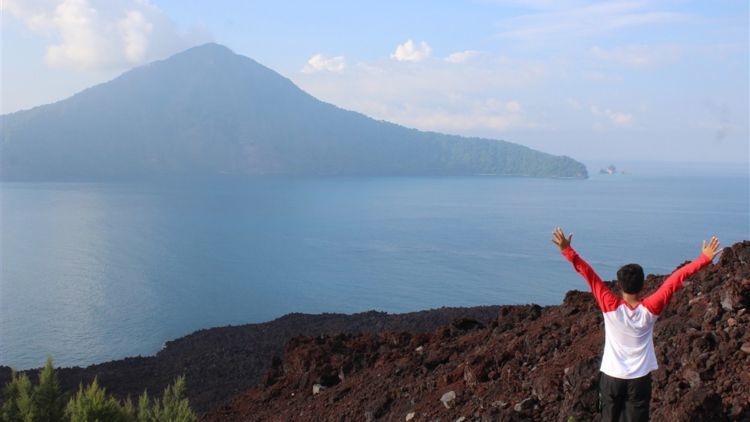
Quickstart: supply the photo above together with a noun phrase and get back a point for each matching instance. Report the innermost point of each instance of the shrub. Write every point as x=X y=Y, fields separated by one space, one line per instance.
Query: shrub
x=173 y=406
x=45 y=402
x=18 y=405
x=92 y=404
x=48 y=399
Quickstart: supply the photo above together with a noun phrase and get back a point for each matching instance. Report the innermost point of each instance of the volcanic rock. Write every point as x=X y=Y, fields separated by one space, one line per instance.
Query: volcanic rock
x=219 y=363
x=448 y=399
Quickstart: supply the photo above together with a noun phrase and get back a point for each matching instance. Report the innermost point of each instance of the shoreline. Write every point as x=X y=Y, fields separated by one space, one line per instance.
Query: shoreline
x=227 y=360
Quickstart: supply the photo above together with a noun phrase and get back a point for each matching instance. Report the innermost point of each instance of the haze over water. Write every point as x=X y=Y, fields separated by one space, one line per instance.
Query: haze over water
x=99 y=271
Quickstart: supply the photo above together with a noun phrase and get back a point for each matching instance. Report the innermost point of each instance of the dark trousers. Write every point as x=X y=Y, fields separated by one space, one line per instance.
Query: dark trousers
x=624 y=399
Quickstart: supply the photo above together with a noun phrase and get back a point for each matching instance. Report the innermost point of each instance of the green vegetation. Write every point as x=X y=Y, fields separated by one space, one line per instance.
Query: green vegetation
x=46 y=402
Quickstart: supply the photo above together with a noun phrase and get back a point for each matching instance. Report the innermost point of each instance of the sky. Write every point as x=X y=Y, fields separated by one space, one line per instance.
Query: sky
x=594 y=80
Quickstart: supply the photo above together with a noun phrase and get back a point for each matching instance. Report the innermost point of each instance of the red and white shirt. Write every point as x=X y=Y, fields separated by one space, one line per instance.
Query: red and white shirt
x=628 y=331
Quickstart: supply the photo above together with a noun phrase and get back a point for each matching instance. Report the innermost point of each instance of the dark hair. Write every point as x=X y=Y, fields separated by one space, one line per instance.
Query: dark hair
x=631 y=278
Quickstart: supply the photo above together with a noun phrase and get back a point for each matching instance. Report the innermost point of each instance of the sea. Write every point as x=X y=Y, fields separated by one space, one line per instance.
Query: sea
x=91 y=272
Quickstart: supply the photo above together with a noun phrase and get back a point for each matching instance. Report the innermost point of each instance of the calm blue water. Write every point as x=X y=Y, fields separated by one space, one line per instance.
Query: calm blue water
x=92 y=272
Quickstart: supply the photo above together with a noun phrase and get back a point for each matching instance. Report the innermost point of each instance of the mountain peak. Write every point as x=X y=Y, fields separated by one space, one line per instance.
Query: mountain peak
x=208 y=48
x=205 y=52
x=208 y=111
x=210 y=54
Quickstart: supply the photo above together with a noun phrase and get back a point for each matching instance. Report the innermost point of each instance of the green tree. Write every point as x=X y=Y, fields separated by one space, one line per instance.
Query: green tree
x=92 y=405
x=173 y=406
x=45 y=402
x=48 y=399
x=18 y=405
x=144 y=408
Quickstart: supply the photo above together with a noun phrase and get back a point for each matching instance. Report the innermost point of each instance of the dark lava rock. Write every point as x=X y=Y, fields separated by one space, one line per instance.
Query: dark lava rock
x=466 y=324
x=219 y=363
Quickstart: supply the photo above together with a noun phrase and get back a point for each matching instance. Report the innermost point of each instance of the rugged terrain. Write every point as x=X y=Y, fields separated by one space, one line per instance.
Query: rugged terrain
x=526 y=363
x=219 y=363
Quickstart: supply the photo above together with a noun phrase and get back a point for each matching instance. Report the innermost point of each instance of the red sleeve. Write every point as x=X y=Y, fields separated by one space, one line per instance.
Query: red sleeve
x=656 y=302
x=604 y=297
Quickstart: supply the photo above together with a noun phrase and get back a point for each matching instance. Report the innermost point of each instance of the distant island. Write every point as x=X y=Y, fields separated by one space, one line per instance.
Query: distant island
x=610 y=170
x=209 y=112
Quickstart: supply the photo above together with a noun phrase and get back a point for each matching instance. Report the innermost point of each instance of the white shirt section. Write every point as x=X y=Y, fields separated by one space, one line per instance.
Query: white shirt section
x=628 y=343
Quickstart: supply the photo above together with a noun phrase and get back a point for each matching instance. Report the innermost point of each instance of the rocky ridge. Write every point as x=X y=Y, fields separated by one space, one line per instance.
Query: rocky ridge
x=526 y=363
x=219 y=363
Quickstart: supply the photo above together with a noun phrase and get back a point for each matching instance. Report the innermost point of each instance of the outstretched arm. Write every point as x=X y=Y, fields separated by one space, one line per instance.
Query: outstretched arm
x=656 y=302
x=604 y=297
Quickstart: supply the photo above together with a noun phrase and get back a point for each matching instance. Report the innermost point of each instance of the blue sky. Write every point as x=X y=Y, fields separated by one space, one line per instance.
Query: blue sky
x=609 y=80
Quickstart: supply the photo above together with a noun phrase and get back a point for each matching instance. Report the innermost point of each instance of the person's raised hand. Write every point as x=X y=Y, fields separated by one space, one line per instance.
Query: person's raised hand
x=712 y=248
x=559 y=239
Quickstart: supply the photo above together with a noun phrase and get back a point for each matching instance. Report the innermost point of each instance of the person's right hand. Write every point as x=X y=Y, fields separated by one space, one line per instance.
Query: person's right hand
x=558 y=238
x=712 y=248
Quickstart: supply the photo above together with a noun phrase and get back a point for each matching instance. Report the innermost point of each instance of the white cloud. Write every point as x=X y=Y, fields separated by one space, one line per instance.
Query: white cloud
x=410 y=52
x=461 y=56
x=585 y=19
x=319 y=62
x=638 y=55
x=513 y=106
x=573 y=103
x=466 y=123
x=135 y=32
x=466 y=116
x=473 y=99
x=101 y=34
x=541 y=4
x=617 y=118
x=621 y=119
x=473 y=117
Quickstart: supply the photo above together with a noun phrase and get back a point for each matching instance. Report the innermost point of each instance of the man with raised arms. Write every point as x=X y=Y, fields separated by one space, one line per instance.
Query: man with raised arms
x=629 y=358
